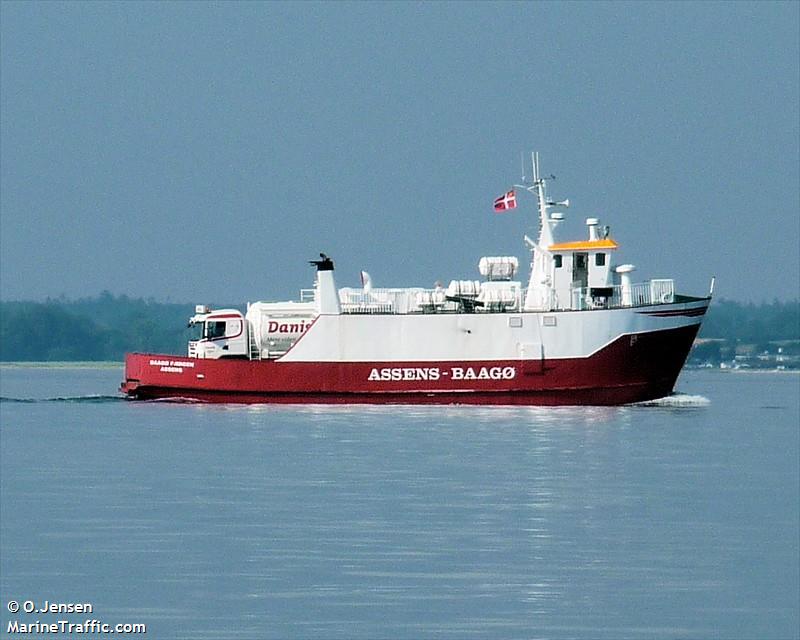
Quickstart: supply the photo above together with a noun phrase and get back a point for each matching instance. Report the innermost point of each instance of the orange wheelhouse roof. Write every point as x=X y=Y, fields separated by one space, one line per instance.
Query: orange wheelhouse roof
x=584 y=245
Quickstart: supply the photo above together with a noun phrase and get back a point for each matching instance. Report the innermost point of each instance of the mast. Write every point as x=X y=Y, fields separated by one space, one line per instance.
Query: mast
x=540 y=284
x=540 y=185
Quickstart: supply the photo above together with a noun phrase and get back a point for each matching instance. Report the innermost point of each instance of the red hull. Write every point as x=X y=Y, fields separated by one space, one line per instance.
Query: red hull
x=633 y=368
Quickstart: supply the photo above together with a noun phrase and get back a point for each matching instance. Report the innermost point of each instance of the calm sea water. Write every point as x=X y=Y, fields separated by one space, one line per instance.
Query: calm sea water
x=679 y=520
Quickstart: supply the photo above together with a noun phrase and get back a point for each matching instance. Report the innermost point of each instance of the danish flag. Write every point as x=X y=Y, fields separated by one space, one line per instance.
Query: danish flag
x=505 y=202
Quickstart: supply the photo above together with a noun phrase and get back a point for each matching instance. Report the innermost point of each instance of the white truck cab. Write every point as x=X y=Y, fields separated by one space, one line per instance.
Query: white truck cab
x=221 y=333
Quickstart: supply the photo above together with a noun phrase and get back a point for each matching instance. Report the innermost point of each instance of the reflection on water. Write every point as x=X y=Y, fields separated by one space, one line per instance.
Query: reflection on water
x=236 y=521
x=495 y=415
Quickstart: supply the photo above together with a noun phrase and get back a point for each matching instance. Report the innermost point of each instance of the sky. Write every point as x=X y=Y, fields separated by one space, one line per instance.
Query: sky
x=204 y=152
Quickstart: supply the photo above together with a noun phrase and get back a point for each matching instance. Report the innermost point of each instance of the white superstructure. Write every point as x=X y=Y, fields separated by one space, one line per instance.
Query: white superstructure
x=492 y=317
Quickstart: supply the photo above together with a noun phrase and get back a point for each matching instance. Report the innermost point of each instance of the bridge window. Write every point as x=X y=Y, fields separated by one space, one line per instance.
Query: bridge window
x=558 y=260
x=600 y=259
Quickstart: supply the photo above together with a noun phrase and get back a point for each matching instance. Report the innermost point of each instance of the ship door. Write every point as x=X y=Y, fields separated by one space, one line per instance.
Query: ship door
x=531 y=355
x=580 y=270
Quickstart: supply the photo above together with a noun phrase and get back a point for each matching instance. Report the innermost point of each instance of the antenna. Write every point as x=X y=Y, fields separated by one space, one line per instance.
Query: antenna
x=522 y=165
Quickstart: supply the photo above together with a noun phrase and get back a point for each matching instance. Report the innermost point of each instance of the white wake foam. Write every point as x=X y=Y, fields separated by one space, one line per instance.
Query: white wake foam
x=676 y=400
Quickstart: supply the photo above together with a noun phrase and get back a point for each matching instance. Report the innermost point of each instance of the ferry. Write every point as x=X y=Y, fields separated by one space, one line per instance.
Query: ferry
x=580 y=332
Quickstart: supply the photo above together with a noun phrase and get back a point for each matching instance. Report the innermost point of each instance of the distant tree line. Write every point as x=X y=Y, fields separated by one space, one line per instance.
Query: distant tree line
x=752 y=323
x=106 y=327
x=100 y=328
x=732 y=328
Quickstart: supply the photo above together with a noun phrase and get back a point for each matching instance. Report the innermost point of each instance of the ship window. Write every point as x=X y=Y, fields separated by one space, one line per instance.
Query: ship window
x=234 y=328
x=215 y=329
x=600 y=259
x=558 y=260
x=196 y=331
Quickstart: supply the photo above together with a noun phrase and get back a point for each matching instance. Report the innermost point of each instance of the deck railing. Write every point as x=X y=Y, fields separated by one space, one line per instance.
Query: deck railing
x=422 y=301
x=659 y=291
x=382 y=300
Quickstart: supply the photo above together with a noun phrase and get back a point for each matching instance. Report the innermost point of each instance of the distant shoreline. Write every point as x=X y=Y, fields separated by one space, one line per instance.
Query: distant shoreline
x=106 y=364
x=739 y=370
x=66 y=364
x=751 y=370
